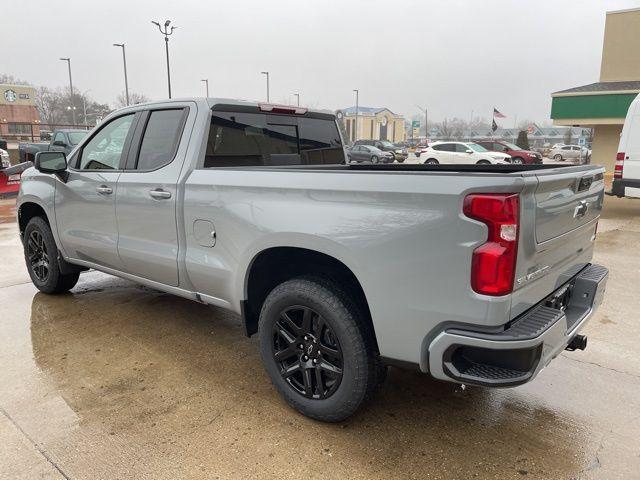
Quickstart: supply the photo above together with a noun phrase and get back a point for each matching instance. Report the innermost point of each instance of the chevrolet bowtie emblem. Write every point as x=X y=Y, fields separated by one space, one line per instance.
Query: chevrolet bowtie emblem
x=581 y=209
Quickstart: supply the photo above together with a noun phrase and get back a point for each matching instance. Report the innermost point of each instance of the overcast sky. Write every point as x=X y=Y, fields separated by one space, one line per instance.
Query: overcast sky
x=453 y=56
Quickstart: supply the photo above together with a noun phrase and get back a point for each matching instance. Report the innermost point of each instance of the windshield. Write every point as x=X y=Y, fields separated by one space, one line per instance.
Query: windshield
x=511 y=146
x=75 y=137
x=476 y=147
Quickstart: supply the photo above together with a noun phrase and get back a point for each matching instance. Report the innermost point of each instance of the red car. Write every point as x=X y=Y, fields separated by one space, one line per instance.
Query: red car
x=518 y=155
x=10 y=179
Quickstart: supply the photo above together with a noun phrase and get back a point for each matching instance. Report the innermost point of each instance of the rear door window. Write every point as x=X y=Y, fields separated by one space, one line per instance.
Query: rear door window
x=239 y=139
x=161 y=137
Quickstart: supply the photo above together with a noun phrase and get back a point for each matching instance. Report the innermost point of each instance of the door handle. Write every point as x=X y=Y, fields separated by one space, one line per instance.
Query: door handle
x=159 y=193
x=104 y=190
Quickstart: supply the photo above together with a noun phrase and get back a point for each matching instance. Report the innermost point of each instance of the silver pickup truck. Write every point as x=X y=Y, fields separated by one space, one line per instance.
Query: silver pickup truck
x=474 y=274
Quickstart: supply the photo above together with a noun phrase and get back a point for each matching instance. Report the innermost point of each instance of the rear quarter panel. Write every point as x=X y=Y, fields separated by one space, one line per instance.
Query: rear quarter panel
x=402 y=235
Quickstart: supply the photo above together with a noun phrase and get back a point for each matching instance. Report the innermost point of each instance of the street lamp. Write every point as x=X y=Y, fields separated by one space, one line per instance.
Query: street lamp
x=166 y=32
x=124 y=61
x=73 y=110
x=297 y=95
x=206 y=82
x=267 y=74
x=355 y=134
x=426 y=117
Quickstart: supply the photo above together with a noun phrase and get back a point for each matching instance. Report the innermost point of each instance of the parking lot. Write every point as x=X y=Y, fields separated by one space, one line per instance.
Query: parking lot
x=116 y=380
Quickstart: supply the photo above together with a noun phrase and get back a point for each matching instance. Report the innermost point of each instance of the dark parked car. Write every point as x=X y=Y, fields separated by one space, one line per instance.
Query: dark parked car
x=367 y=153
x=518 y=155
x=61 y=141
x=399 y=154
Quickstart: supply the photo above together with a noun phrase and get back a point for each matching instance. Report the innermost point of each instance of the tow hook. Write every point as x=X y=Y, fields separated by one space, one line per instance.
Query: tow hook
x=579 y=342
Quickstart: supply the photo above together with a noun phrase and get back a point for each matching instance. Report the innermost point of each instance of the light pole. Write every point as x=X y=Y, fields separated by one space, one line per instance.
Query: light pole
x=426 y=116
x=166 y=32
x=297 y=95
x=84 y=107
x=355 y=133
x=206 y=82
x=126 y=82
x=267 y=75
x=73 y=110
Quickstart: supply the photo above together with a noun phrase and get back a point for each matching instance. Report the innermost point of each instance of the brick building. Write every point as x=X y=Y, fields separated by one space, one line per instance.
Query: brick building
x=18 y=111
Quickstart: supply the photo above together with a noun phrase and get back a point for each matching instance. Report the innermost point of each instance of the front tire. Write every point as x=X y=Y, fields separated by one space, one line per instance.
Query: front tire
x=558 y=157
x=483 y=162
x=317 y=350
x=41 y=257
x=431 y=161
x=517 y=161
x=374 y=159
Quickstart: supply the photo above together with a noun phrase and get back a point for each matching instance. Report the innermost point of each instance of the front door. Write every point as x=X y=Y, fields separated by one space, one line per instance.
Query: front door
x=85 y=203
x=146 y=198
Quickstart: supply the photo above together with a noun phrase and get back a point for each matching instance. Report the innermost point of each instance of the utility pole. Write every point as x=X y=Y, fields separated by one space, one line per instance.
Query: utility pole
x=73 y=108
x=126 y=82
x=355 y=133
x=166 y=32
x=297 y=95
x=267 y=75
x=206 y=82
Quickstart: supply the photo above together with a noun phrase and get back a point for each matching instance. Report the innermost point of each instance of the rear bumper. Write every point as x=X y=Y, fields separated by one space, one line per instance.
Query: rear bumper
x=619 y=184
x=526 y=345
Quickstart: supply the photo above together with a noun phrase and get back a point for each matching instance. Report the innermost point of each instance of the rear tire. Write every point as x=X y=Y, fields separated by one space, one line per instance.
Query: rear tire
x=517 y=161
x=431 y=161
x=41 y=257
x=483 y=162
x=317 y=348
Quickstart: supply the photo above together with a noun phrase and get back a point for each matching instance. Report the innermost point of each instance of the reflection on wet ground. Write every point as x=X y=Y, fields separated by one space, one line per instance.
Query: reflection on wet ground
x=119 y=381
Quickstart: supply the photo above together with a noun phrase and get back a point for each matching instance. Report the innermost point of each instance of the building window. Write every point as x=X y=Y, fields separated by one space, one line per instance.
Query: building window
x=19 y=129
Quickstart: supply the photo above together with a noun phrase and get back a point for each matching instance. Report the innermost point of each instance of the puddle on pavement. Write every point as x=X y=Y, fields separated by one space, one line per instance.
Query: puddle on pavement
x=119 y=366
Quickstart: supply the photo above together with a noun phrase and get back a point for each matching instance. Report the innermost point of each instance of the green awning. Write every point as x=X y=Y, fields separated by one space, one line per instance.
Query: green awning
x=591 y=106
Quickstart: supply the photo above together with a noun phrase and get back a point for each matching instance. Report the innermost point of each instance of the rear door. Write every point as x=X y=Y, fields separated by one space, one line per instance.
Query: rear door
x=147 y=191
x=631 y=149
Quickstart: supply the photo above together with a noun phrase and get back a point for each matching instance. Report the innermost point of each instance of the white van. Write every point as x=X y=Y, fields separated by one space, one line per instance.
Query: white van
x=626 y=175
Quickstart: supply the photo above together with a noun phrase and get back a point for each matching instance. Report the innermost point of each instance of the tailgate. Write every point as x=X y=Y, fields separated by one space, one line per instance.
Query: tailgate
x=559 y=214
x=565 y=202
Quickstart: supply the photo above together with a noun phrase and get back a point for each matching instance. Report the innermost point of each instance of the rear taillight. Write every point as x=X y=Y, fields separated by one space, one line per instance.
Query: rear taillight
x=494 y=263
x=617 y=171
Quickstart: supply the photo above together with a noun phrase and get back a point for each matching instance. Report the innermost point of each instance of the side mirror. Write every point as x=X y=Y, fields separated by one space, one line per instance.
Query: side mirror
x=469 y=151
x=51 y=162
x=59 y=143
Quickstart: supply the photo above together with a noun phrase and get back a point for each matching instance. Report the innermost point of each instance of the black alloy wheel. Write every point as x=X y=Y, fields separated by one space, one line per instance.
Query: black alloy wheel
x=38 y=256
x=307 y=352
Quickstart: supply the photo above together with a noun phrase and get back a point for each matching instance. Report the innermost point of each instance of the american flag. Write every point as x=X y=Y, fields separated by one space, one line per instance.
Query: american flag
x=497 y=114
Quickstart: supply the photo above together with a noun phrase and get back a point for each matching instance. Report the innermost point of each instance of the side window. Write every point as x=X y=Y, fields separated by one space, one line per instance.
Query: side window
x=566 y=148
x=161 y=137
x=104 y=150
x=59 y=138
x=460 y=148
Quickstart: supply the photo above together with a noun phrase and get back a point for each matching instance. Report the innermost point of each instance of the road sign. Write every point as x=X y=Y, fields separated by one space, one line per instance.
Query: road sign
x=415 y=124
x=582 y=141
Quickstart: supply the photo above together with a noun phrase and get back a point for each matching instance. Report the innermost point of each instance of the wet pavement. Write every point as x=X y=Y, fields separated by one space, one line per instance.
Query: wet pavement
x=115 y=380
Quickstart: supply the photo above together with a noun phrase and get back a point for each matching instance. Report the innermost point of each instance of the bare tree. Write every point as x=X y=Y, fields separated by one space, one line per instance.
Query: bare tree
x=11 y=80
x=49 y=104
x=134 y=99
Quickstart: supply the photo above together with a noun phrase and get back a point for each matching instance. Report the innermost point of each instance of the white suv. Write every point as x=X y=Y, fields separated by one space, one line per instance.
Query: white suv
x=462 y=153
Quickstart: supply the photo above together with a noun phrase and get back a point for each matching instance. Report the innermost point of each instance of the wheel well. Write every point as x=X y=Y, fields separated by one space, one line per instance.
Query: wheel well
x=27 y=212
x=276 y=265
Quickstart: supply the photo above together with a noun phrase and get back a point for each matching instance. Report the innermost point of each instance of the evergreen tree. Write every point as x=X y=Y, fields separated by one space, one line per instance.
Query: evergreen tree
x=523 y=140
